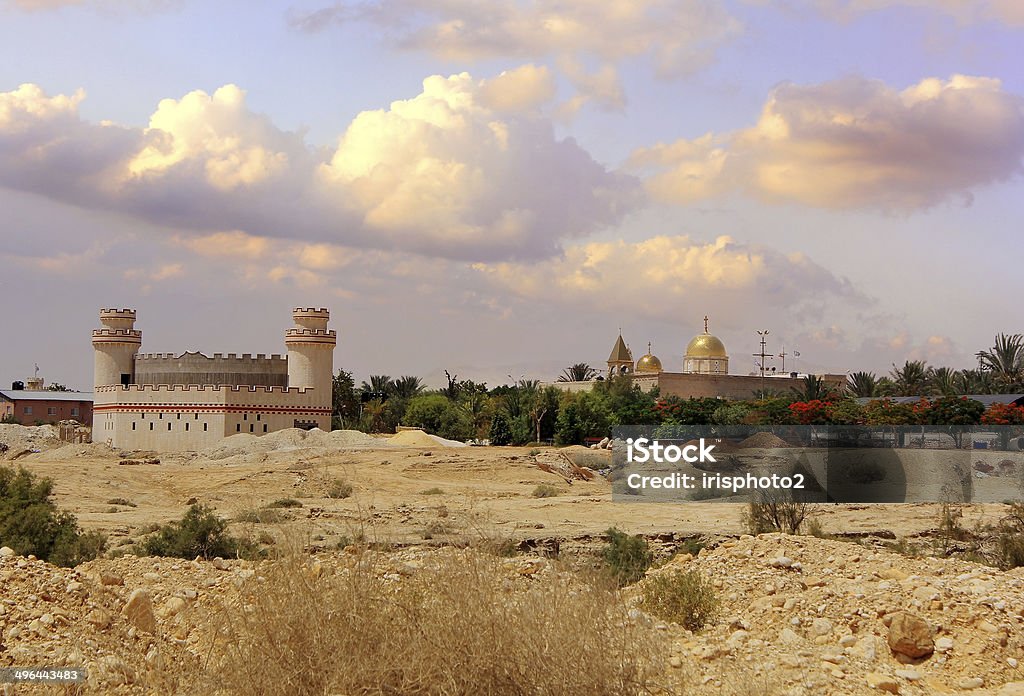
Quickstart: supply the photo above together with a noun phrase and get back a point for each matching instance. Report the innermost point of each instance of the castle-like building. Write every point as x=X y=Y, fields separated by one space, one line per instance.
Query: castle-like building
x=705 y=373
x=167 y=403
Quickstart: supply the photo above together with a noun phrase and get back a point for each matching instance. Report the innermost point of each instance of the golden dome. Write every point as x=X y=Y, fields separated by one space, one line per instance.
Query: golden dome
x=648 y=363
x=706 y=346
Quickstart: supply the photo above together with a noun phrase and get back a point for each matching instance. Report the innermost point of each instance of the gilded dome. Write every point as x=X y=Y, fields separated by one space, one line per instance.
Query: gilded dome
x=648 y=363
x=706 y=346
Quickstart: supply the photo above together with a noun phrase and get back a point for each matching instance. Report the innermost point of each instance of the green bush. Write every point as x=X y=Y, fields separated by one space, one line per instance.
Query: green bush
x=685 y=598
x=30 y=522
x=440 y=416
x=285 y=503
x=626 y=557
x=199 y=533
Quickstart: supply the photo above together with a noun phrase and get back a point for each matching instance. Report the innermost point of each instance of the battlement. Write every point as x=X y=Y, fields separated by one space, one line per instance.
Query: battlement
x=208 y=388
x=201 y=357
x=121 y=335
x=126 y=313
x=321 y=312
x=325 y=333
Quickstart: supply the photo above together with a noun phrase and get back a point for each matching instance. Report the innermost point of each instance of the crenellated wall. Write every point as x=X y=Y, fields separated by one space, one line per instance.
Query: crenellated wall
x=197 y=368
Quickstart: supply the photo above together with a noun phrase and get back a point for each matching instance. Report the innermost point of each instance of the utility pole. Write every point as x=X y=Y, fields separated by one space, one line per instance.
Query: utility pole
x=763 y=355
x=783 y=354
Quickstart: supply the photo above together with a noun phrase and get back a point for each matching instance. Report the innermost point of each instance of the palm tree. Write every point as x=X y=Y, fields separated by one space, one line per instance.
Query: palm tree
x=1005 y=361
x=580 y=372
x=974 y=382
x=407 y=386
x=862 y=384
x=944 y=381
x=380 y=386
x=911 y=379
x=814 y=387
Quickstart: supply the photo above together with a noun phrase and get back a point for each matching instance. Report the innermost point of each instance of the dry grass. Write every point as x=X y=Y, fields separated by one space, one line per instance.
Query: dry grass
x=463 y=623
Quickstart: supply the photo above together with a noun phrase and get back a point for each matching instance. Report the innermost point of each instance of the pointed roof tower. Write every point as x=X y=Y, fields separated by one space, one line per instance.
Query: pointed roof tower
x=620 y=362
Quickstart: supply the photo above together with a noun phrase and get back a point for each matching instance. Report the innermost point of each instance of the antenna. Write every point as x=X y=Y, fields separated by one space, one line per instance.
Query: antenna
x=763 y=355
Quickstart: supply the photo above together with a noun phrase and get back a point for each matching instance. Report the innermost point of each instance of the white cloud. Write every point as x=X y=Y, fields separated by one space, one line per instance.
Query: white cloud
x=853 y=143
x=467 y=169
x=663 y=276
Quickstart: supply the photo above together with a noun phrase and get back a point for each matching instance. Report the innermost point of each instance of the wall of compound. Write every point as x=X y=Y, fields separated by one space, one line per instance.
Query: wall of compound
x=169 y=418
x=199 y=369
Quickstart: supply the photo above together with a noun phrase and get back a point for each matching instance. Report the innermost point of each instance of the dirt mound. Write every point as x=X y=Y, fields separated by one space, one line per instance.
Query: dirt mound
x=418 y=438
x=21 y=440
x=762 y=441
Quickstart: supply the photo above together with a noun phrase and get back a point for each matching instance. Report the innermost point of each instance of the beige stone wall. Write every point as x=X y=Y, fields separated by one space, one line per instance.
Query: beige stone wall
x=686 y=385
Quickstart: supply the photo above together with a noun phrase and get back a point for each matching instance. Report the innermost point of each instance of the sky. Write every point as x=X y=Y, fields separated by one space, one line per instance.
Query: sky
x=497 y=189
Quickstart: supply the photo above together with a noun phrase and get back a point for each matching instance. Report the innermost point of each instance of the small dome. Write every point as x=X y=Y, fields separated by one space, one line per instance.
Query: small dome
x=648 y=363
x=706 y=346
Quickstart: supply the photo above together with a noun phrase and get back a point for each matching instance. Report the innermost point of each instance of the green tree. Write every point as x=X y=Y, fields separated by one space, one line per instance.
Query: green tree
x=344 y=401
x=862 y=384
x=30 y=522
x=812 y=388
x=1005 y=361
x=407 y=386
x=500 y=433
x=199 y=533
x=379 y=387
x=438 y=415
x=580 y=416
x=578 y=372
x=944 y=381
x=913 y=379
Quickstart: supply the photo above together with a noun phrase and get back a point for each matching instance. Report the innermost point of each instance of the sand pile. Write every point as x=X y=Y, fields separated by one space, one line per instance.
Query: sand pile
x=21 y=439
x=762 y=441
x=418 y=438
x=244 y=448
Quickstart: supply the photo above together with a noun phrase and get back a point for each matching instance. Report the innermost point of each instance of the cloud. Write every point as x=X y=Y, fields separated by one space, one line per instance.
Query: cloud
x=678 y=36
x=853 y=143
x=658 y=277
x=468 y=169
x=1010 y=12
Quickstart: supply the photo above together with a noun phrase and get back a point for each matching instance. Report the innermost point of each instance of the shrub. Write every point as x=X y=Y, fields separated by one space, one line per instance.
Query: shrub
x=450 y=628
x=121 y=501
x=199 y=533
x=439 y=415
x=685 y=598
x=545 y=490
x=432 y=491
x=339 y=488
x=261 y=516
x=9 y=419
x=773 y=511
x=30 y=522
x=626 y=557
x=1010 y=538
x=285 y=503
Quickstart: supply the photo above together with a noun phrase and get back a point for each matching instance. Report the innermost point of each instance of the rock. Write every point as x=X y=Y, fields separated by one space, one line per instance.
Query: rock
x=848 y=641
x=968 y=683
x=6 y=551
x=944 y=644
x=781 y=562
x=882 y=682
x=139 y=611
x=788 y=637
x=219 y=563
x=892 y=574
x=910 y=635
x=821 y=627
x=111 y=579
x=115 y=671
x=908 y=674
x=98 y=618
x=174 y=606
x=675 y=662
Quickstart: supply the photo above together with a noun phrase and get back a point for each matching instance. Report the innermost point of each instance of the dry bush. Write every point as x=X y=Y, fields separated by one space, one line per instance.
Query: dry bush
x=458 y=625
x=685 y=598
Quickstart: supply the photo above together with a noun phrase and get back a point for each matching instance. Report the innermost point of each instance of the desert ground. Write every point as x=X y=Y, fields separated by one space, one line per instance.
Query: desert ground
x=800 y=614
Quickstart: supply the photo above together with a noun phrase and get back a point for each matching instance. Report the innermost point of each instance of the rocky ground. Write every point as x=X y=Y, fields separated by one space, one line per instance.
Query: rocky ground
x=800 y=615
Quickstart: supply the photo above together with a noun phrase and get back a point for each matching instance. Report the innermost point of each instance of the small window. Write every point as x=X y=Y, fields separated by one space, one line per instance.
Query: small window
x=257 y=416
x=197 y=416
x=168 y=426
x=186 y=427
x=161 y=416
x=238 y=427
x=264 y=427
x=179 y=416
x=204 y=427
x=28 y=410
x=251 y=426
x=245 y=416
x=133 y=425
x=150 y=426
x=74 y=410
x=51 y=410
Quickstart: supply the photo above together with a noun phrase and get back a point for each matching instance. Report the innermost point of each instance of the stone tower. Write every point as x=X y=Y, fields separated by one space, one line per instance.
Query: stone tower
x=620 y=361
x=311 y=351
x=115 y=346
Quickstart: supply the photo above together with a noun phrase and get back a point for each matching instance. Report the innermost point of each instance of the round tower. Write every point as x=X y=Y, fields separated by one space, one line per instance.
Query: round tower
x=115 y=346
x=311 y=351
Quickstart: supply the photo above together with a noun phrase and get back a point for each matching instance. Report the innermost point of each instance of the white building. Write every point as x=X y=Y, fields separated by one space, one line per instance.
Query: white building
x=167 y=403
